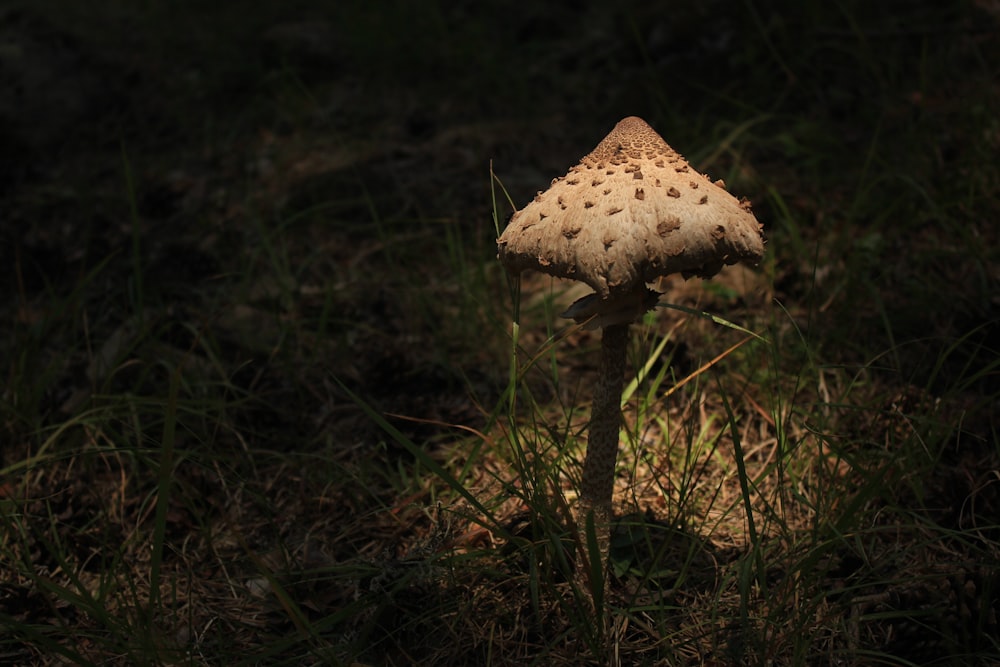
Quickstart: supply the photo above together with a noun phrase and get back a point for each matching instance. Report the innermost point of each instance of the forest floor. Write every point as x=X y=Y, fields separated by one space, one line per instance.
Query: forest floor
x=263 y=403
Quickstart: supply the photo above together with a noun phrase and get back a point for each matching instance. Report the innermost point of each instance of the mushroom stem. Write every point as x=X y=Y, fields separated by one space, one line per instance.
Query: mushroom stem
x=597 y=483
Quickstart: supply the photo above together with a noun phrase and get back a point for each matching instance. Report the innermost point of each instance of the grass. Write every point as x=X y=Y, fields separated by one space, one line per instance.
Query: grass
x=269 y=398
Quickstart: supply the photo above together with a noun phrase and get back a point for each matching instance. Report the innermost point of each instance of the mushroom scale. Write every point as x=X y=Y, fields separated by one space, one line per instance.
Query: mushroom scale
x=632 y=210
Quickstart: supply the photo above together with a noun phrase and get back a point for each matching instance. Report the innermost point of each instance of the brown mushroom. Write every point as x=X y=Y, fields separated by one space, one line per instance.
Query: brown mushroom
x=630 y=211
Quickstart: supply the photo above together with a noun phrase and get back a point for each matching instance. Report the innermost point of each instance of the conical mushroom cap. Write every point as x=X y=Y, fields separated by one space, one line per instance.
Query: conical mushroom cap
x=632 y=210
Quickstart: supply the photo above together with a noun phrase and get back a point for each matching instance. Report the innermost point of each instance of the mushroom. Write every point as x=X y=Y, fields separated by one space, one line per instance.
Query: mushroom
x=631 y=211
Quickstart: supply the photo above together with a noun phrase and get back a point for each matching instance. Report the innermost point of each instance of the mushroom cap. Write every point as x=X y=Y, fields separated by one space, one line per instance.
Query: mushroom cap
x=631 y=211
